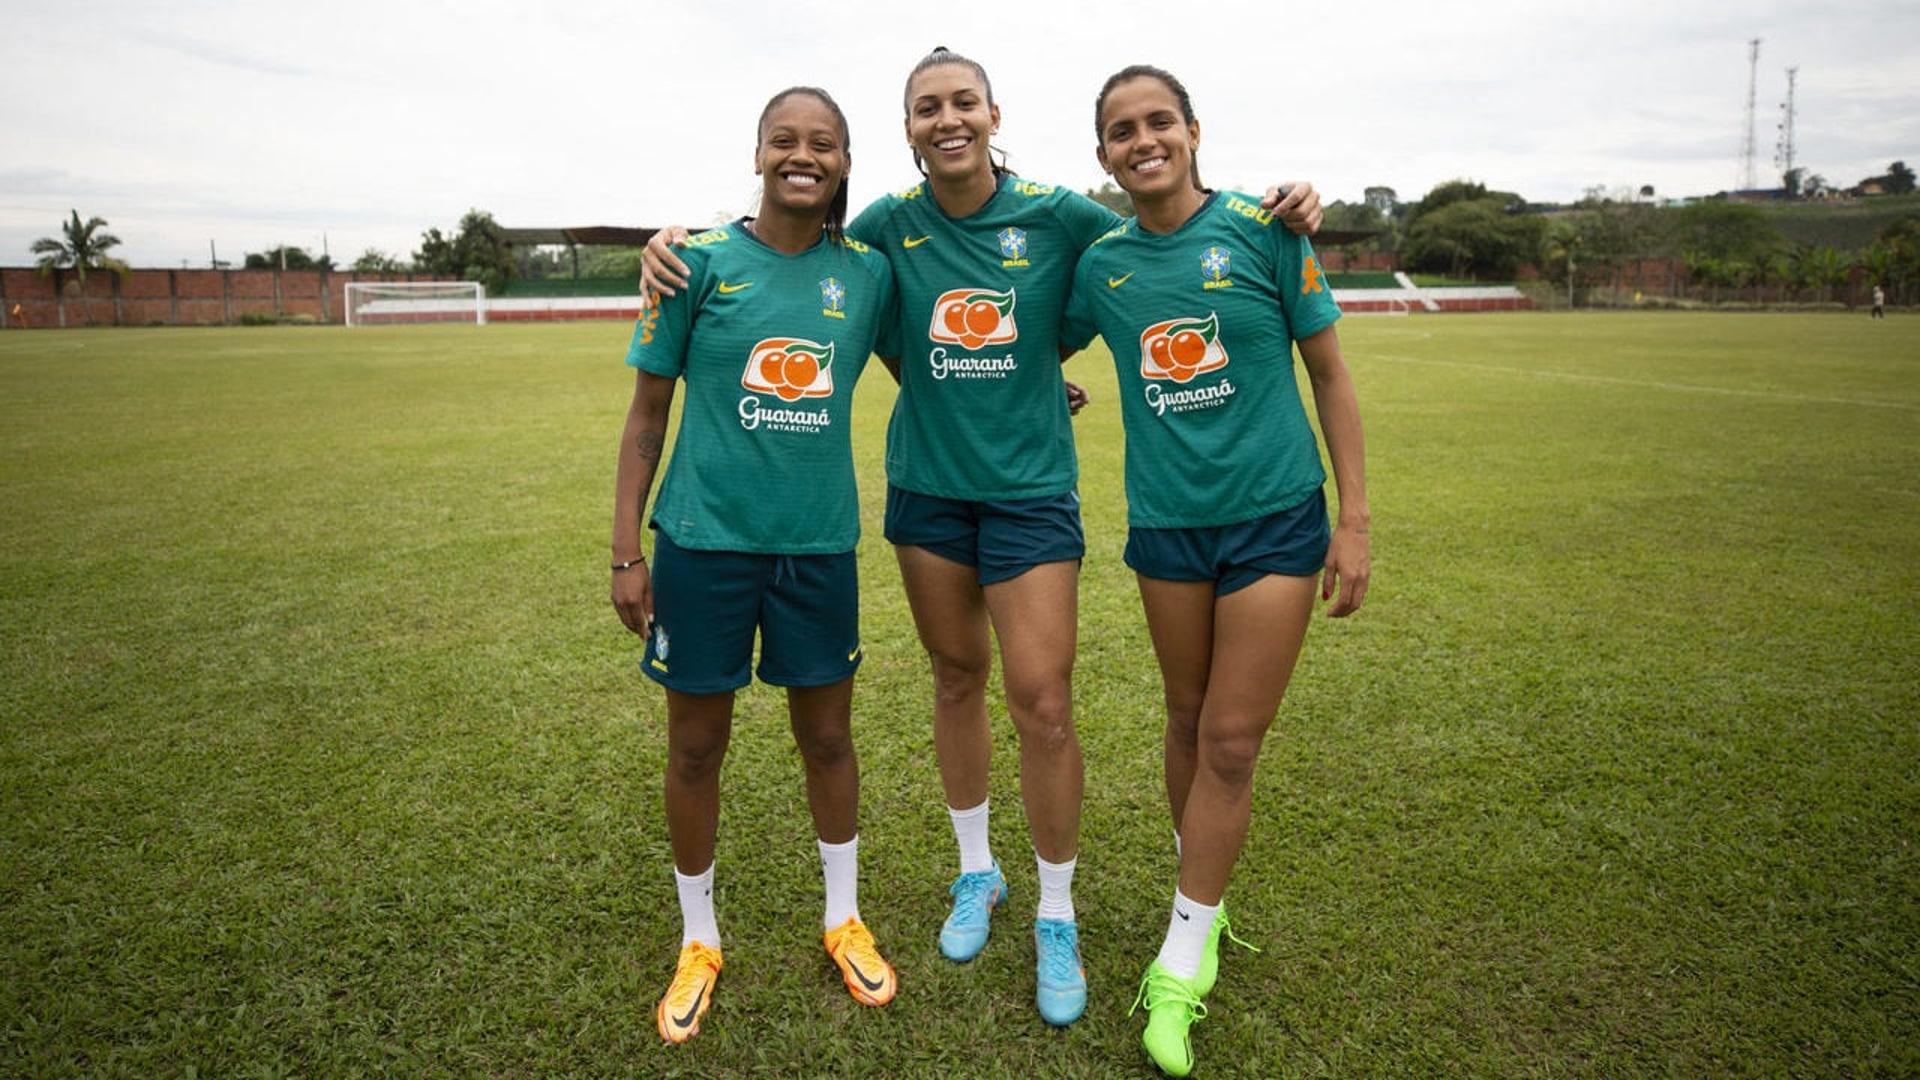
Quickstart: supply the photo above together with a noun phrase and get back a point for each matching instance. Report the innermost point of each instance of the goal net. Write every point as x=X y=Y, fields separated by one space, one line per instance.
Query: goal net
x=381 y=303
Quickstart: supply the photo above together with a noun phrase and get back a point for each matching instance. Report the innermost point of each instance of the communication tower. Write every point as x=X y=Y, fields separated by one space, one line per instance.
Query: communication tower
x=1746 y=143
x=1783 y=149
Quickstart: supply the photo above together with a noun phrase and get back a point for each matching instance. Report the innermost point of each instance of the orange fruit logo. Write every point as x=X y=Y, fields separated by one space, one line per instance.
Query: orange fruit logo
x=1179 y=349
x=790 y=368
x=973 y=317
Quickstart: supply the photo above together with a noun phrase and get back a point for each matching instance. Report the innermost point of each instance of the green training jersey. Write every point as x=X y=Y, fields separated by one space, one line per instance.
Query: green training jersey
x=982 y=411
x=1201 y=323
x=770 y=346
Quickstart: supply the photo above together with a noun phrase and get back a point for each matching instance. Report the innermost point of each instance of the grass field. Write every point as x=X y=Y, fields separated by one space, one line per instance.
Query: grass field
x=322 y=752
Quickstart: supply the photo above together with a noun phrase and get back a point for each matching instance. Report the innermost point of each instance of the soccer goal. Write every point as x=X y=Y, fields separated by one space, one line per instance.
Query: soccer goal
x=381 y=303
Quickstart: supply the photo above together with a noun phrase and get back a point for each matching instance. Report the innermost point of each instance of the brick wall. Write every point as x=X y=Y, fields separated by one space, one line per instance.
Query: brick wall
x=176 y=297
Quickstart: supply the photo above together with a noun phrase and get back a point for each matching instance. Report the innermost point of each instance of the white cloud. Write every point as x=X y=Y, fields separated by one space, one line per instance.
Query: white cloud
x=256 y=124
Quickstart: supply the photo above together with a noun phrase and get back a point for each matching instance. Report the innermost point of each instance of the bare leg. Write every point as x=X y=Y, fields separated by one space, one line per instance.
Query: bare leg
x=1180 y=619
x=1035 y=616
x=1257 y=636
x=823 y=728
x=951 y=615
x=698 y=727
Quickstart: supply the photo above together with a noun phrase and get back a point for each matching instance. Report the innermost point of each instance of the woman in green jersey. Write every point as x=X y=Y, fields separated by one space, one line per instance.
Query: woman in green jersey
x=757 y=520
x=1201 y=299
x=981 y=502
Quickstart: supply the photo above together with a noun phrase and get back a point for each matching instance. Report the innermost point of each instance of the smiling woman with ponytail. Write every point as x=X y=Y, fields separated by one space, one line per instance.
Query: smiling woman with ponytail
x=1202 y=299
x=770 y=335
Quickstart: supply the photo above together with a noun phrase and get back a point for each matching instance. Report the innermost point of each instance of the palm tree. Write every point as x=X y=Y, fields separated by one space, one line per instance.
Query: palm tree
x=83 y=247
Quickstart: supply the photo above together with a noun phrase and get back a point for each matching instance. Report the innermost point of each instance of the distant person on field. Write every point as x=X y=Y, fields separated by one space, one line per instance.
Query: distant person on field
x=1879 y=302
x=757 y=520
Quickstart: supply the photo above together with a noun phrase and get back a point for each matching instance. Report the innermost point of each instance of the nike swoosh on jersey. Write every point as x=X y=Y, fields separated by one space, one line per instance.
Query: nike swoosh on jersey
x=911 y=242
x=693 y=1010
x=1116 y=282
x=726 y=288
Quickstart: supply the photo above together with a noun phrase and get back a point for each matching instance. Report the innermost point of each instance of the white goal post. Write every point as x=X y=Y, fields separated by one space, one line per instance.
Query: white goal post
x=383 y=303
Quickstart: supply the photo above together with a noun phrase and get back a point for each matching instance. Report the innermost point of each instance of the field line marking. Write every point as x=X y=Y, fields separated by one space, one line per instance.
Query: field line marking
x=1653 y=384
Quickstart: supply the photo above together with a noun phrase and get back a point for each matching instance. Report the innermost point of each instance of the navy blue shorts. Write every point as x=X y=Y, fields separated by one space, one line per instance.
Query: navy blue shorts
x=1000 y=539
x=1291 y=542
x=707 y=605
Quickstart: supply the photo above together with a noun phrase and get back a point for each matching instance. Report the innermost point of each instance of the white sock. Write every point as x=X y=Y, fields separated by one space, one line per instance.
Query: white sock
x=1187 y=930
x=696 y=908
x=1056 y=889
x=970 y=829
x=1176 y=845
x=840 y=863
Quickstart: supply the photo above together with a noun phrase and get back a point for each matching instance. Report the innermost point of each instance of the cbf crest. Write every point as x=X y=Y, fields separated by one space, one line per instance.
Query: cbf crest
x=1216 y=263
x=833 y=298
x=1013 y=246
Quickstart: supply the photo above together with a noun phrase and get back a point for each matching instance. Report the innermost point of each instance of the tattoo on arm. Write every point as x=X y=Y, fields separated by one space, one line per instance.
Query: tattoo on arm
x=648 y=444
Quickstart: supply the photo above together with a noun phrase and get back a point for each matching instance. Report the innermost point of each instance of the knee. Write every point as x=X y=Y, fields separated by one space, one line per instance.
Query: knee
x=692 y=762
x=1183 y=719
x=958 y=679
x=1231 y=759
x=1043 y=715
x=826 y=749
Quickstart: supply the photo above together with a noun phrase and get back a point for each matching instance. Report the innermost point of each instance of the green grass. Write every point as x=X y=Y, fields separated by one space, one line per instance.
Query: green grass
x=1848 y=225
x=322 y=752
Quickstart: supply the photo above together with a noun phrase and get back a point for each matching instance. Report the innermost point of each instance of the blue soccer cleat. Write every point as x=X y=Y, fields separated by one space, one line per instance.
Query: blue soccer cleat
x=975 y=896
x=1062 y=979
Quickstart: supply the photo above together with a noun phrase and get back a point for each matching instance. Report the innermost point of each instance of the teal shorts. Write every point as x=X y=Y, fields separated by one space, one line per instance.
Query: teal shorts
x=708 y=604
x=1000 y=539
x=1291 y=542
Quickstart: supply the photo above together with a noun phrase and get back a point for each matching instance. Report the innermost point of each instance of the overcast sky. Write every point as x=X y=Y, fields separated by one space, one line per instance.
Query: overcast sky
x=261 y=122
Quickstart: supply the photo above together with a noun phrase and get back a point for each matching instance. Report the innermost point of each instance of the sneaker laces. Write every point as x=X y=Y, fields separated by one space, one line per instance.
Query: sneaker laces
x=1059 y=950
x=697 y=959
x=969 y=892
x=1161 y=987
x=1226 y=931
x=854 y=938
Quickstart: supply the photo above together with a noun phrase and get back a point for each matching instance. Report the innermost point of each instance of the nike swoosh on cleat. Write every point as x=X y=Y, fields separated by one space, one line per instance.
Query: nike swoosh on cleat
x=726 y=288
x=862 y=976
x=1116 y=282
x=692 y=1010
x=911 y=242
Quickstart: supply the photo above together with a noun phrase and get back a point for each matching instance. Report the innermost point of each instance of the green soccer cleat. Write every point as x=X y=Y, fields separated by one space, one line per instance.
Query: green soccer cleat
x=1203 y=979
x=1172 y=1009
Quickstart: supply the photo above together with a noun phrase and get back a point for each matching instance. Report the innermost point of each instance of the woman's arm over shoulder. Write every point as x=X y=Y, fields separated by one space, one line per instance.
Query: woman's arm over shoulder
x=1084 y=219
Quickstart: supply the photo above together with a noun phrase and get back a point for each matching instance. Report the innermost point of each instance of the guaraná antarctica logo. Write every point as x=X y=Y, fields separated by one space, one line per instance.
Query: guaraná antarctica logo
x=789 y=369
x=1179 y=350
x=972 y=318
